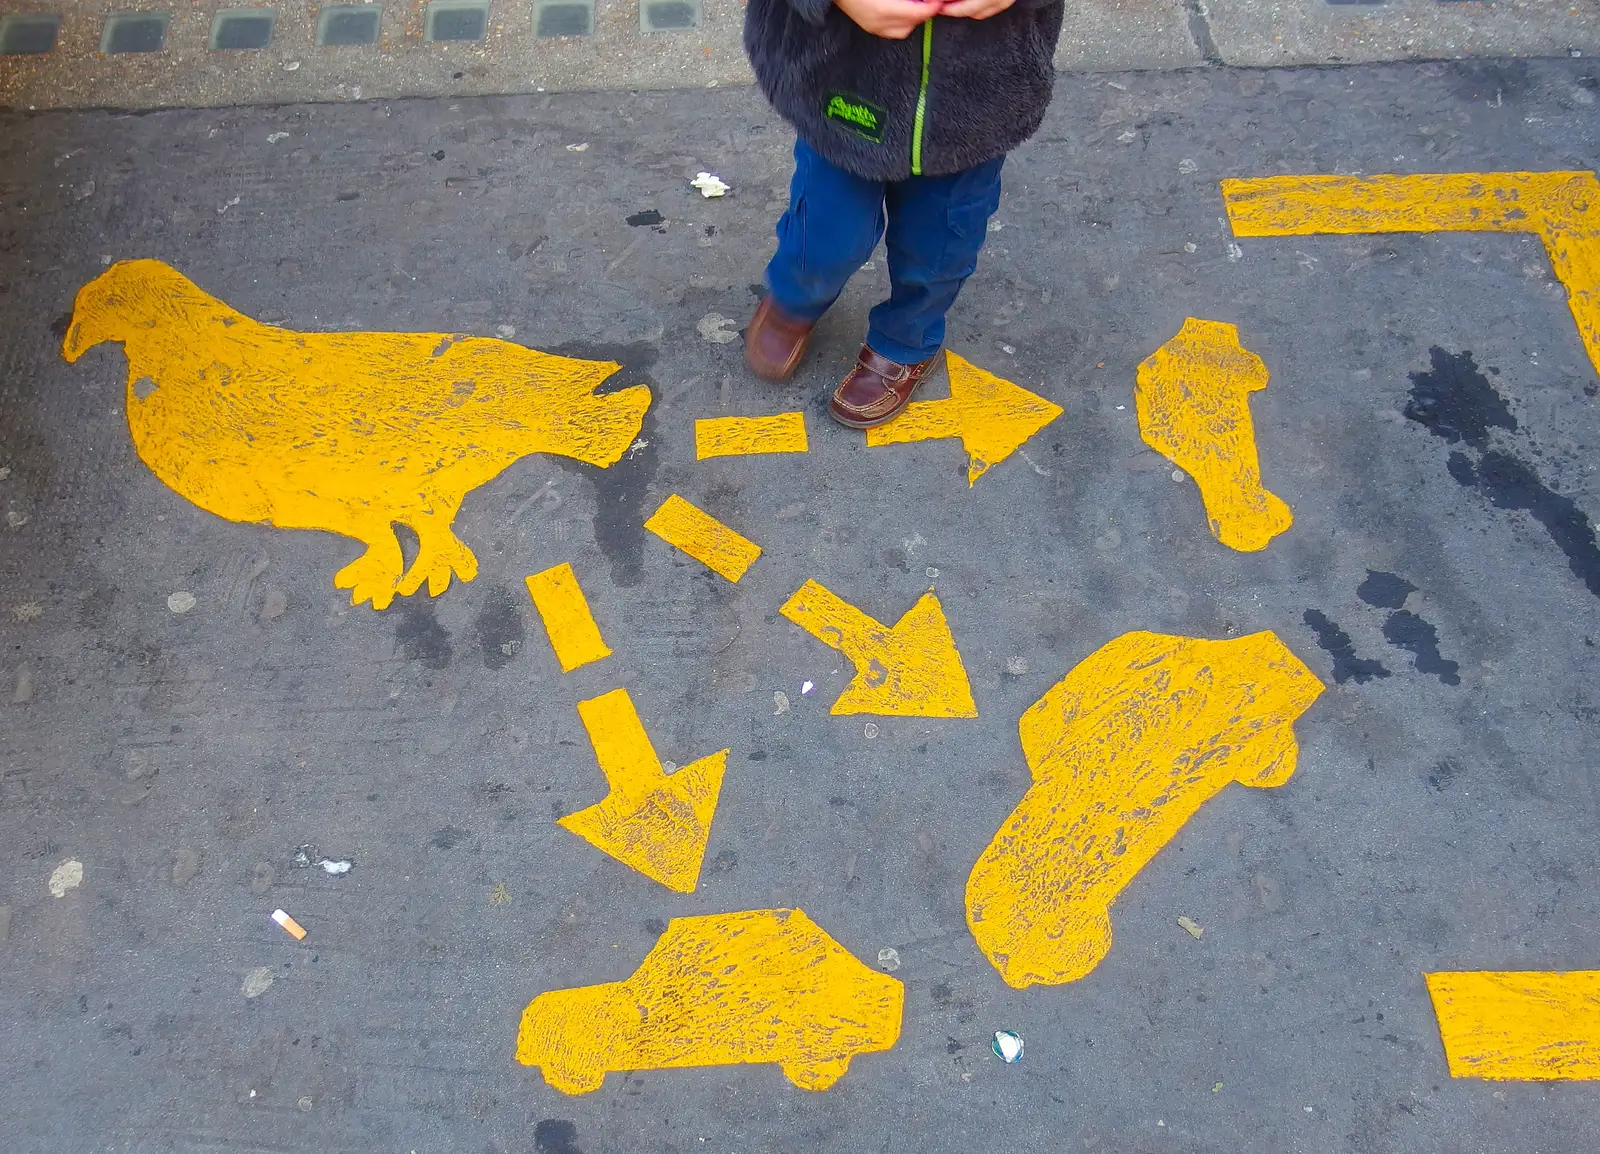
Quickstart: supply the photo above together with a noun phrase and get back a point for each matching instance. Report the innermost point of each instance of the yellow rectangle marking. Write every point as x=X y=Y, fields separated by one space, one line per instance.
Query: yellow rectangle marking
x=1533 y=1025
x=565 y=611
x=746 y=436
x=703 y=537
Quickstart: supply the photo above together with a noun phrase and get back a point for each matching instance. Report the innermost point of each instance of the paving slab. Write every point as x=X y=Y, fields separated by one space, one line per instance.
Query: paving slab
x=192 y=717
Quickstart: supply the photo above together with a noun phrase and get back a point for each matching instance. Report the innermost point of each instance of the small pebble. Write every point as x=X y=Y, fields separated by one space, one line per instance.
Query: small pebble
x=889 y=959
x=66 y=876
x=780 y=703
x=1177 y=475
x=182 y=601
x=258 y=981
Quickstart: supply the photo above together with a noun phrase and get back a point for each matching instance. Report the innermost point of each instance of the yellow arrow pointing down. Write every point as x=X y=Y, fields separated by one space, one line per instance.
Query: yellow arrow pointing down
x=652 y=821
x=992 y=416
x=912 y=670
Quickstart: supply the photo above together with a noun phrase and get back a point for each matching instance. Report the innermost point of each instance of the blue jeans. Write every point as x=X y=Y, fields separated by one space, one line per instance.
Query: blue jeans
x=936 y=226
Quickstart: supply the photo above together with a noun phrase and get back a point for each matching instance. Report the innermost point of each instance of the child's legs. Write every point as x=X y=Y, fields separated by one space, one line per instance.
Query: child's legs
x=833 y=223
x=937 y=225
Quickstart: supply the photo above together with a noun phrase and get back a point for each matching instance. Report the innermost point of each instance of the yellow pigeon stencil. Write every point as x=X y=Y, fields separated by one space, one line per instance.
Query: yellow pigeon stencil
x=344 y=432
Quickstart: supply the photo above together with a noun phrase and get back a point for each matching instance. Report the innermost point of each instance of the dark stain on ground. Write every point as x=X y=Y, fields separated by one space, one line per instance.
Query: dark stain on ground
x=556 y=1136
x=725 y=862
x=499 y=628
x=60 y=325
x=1443 y=775
x=758 y=755
x=1407 y=631
x=1509 y=483
x=655 y=927
x=620 y=491
x=449 y=837
x=1385 y=590
x=647 y=216
x=1337 y=644
x=1456 y=401
x=421 y=637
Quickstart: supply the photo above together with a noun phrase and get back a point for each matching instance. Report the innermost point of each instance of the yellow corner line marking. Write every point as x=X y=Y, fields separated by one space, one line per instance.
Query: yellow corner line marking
x=703 y=537
x=1563 y=208
x=747 y=436
x=992 y=416
x=565 y=612
x=1532 y=1025
x=912 y=670
x=716 y=990
x=1124 y=750
x=1193 y=400
x=652 y=821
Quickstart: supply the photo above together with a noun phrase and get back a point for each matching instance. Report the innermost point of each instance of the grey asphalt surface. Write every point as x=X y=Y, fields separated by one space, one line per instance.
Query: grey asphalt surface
x=1439 y=819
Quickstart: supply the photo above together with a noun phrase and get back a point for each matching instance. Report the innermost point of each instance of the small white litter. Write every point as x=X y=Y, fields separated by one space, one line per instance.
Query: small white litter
x=584 y=147
x=330 y=866
x=182 y=601
x=806 y=687
x=1008 y=1046
x=277 y=136
x=710 y=185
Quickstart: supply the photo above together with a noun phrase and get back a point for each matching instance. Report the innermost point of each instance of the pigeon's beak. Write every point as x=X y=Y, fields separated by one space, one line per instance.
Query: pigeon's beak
x=74 y=346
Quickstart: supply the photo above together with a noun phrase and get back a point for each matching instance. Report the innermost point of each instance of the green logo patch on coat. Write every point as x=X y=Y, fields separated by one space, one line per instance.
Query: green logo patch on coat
x=859 y=116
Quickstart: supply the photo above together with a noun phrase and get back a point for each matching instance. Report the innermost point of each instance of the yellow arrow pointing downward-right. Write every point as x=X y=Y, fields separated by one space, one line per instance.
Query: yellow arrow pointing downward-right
x=912 y=670
x=992 y=416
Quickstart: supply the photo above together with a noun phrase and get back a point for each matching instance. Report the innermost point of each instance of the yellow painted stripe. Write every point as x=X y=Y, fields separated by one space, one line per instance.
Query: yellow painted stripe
x=565 y=611
x=1533 y=1026
x=746 y=436
x=703 y=537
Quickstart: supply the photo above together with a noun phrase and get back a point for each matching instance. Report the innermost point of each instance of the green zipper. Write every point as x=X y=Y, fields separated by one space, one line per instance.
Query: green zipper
x=922 y=100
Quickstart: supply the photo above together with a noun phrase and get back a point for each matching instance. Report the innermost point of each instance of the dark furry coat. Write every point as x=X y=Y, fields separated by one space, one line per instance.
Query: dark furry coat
x=853 y=96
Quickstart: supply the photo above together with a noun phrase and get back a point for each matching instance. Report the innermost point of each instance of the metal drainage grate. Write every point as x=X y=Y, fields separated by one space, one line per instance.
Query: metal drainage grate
x=457 y=20
x=563 y=18
x=669 y=15
x=30 y=35
x=242 y=29
x=134 y=32
x=346 y=25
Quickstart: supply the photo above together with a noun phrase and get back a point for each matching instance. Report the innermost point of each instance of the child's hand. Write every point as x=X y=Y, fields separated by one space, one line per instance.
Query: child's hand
x=896 y=19
x=976 y=9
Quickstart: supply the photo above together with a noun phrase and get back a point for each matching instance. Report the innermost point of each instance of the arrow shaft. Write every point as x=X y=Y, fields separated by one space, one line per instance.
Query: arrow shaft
x=836 y=623
x=621 y=745
x=921 y=421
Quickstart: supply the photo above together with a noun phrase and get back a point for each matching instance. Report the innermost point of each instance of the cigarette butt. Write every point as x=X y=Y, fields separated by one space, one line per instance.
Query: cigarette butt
x=293 y=928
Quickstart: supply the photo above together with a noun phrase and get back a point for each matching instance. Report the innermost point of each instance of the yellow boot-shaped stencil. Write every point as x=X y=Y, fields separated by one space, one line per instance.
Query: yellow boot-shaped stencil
x=1124 y=750
x=1193 y=399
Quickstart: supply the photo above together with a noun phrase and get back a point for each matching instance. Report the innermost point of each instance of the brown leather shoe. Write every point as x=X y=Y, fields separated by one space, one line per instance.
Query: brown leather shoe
x=774 y=343
x=876 y=390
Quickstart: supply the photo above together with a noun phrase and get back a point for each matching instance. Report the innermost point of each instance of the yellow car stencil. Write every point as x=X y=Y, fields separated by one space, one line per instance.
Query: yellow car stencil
x=1124 y=750
x=1193 y=399
x=754 y=986
x=346 y=432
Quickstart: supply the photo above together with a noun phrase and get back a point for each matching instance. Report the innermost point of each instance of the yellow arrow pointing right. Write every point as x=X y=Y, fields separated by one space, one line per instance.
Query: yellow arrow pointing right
x=912 y=670
x=992 y=416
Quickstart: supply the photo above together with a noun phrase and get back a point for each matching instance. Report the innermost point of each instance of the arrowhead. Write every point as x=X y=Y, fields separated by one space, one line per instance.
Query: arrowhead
x=997 y=417
x=911 y=670
x=652 y=821
x=992 y=416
